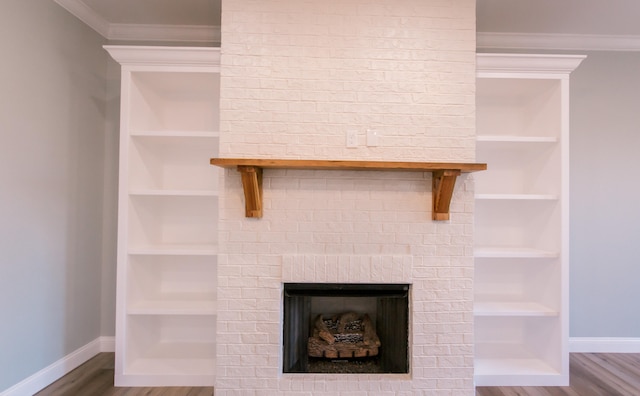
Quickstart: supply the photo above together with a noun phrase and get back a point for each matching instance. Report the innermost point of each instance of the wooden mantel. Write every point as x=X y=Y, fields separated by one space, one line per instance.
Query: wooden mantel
x=444 y=176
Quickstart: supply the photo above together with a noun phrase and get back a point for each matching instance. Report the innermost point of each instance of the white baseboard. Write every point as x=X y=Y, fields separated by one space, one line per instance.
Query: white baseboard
x=107 y=344
x=604 y=345
x=57 y=370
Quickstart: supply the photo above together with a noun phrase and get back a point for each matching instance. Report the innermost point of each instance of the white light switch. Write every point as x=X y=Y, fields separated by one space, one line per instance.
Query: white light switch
x=372 y=138
x=352 y=139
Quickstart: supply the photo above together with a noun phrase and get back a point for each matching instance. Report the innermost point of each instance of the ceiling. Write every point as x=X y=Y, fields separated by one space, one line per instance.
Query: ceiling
x=561 y=24
x=158 y=12
x=591 y=17
x=150 y=20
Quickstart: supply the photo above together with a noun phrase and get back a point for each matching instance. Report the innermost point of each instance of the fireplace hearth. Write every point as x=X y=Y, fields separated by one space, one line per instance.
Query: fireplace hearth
x=345 y=328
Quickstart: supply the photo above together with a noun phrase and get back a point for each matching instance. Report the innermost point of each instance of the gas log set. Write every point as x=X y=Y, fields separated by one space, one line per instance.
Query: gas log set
x=343 y=336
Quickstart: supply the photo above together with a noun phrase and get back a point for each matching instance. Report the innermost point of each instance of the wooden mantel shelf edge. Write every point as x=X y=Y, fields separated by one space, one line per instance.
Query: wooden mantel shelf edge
x=444 y=176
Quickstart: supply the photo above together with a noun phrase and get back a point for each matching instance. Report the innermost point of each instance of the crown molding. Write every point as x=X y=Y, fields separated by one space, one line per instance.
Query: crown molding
x=86 y=14
x=182 y=33
x=156 y=55
x=577 y=42
x=538 y=64
x=140 y=32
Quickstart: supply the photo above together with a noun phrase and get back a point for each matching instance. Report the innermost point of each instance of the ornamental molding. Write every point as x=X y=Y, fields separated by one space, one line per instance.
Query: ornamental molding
x=140 y=32
x=128 y=56
x=526 y=63
x=567 y=42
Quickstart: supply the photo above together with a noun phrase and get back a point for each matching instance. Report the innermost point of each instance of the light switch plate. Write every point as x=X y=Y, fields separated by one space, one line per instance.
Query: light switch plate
x=352 y=139
x=372 y=138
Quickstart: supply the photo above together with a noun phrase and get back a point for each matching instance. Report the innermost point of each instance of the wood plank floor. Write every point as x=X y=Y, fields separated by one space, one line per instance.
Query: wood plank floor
x=592 y=374
x=95 y=378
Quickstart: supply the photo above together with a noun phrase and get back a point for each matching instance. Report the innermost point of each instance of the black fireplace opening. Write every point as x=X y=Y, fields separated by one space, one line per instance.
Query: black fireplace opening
x=345 y=328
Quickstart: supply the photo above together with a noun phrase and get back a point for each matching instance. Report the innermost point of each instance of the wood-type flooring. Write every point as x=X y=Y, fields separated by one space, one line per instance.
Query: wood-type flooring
x=591 y=374
x=95 y=378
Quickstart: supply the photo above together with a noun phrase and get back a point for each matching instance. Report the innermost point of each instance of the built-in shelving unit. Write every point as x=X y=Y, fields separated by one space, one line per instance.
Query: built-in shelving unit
x=521 y=228
x=443 y=180
x=167 y=221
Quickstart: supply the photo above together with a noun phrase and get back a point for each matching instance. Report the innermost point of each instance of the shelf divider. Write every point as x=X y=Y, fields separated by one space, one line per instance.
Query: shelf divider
x=498 y=308
x=513 y=252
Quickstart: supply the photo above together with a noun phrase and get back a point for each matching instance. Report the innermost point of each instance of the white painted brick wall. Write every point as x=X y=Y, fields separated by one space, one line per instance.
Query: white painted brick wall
x=296 y=76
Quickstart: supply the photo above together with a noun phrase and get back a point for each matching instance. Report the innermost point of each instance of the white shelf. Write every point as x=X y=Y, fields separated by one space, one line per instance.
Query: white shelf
x=519 y=169
x=508 y=367
x=176 y=133
x=512 y=252
x=188 y=305
x=521 y=303
x=517 y=197
x=172 y=220
x=166 y=285
x=176 y=358
x=174 y=100
x=169 y=162
x=171 y=345
x=515 y=139
x=513 y=364
x=497 y=308
x=532 y=224
x=154 y=371
x=515 y=372
x=167 y=217
x=173 y=193
x=520 y=106
x=175 y=366
x=175 y=250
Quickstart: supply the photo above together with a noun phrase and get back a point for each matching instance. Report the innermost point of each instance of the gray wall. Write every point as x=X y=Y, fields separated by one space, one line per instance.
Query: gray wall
x=52 y=148
x=605 y=196
x=110 y=204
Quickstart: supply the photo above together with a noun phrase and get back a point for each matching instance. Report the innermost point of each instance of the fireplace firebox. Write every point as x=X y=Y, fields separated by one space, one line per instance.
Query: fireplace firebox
x=345 y=328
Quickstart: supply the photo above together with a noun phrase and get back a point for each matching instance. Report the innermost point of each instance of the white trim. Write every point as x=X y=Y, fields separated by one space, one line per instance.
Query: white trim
x=538 y=41
x=526 y=63
x=107 y=344
x=604 y=344
x=57 y=370
x=140 y=32
x=179 y=33
x=156 y=55
x=86 y=14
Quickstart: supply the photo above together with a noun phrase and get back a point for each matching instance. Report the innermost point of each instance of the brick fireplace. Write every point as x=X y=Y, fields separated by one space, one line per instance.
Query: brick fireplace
x=296 y=77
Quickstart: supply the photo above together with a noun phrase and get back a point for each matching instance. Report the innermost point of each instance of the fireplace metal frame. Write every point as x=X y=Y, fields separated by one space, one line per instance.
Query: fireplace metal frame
x=392 y=321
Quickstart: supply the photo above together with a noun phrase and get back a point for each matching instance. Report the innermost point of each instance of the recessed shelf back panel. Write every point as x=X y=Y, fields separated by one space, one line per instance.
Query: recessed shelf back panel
x=173 y=163
x=165 y=282
x=522 y=107
x=506 y=280
x=174 y=101
x=164 y=221
x=172 y=345
x=519 y=168
x=519 y=338
x=518 y=224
